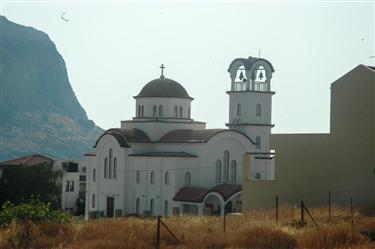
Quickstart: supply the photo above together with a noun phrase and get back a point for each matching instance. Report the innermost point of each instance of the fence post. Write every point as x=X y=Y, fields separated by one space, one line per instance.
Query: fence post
x=158 y=233
x=277 y=210
x=351 y=211
x=302 y=218
x=224 y=222
x=329 y=206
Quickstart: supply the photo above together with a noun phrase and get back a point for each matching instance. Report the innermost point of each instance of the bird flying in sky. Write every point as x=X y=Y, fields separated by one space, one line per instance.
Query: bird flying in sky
x=63 y=18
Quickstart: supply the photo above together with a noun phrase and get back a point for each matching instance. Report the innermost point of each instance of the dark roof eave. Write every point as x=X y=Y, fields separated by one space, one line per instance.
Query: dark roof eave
x=139 y=96
x=267 y=92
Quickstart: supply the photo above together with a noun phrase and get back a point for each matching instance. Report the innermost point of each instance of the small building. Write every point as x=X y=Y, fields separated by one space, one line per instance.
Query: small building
x=71 y=178
x=163 y=162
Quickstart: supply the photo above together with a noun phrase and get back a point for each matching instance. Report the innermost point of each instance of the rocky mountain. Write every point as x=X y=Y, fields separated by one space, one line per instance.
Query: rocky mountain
x=39 y=112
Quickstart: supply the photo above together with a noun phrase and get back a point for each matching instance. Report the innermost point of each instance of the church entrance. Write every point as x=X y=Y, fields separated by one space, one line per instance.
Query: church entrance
x=110 y=207
x=212 y=206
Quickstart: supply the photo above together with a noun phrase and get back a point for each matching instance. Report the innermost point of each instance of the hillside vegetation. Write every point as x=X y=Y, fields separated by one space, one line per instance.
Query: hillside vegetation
x=256 y=230
x=39 y=112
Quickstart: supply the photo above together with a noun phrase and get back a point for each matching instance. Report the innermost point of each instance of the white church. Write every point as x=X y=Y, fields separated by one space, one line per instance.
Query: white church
x=163 y=162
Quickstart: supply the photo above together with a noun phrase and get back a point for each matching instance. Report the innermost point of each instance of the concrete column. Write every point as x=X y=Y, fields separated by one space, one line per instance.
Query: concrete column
x=200 y=209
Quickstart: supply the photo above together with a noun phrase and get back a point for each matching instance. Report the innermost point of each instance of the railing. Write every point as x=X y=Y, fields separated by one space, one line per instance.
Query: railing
x=251 y=86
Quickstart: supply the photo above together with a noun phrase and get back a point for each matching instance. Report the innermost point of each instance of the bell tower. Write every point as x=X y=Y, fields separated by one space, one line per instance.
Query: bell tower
x=250 y=99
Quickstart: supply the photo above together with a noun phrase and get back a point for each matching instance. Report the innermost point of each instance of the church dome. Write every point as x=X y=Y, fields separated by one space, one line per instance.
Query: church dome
x=163 y=87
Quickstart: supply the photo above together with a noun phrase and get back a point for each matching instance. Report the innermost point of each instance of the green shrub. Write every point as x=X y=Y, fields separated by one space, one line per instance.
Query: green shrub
x=35 y=212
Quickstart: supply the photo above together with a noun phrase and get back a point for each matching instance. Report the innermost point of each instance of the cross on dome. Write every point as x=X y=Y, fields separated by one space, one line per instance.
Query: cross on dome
x=162 y=67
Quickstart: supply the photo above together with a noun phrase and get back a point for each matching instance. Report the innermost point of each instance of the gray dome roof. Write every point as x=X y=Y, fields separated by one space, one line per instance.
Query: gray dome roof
x=163 y=87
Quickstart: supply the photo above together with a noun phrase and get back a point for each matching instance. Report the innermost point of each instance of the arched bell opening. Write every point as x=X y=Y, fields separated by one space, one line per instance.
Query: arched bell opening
x=252 y=74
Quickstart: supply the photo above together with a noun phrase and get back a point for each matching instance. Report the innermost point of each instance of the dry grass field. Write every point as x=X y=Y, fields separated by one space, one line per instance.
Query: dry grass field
x=256 y=230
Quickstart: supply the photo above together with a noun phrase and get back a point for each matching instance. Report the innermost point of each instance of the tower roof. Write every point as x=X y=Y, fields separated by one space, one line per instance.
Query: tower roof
x=249 y=62
x=163 y=87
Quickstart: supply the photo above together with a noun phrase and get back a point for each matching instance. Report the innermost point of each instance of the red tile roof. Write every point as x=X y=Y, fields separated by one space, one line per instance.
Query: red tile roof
x=27 y=161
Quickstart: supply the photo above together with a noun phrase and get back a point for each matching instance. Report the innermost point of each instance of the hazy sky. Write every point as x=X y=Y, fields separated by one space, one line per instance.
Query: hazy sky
x=113 y=48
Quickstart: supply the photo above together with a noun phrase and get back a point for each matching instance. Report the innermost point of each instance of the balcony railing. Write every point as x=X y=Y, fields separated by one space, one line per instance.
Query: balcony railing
x=251 y=86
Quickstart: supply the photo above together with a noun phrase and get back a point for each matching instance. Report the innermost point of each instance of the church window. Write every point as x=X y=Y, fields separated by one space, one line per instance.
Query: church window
x=180 y=112
x=154 y=110
x=138 y=177
x=166 y=180
x=110 y=163
x=137 y=206
x=175 y=111
x=238 y=109
x=257 y=141
x=105 y=167
x=257 y=176
x=166 y=208
x=139 y=111
x=93 y=201
x=187 y=178
x=143 y=111
x=94 y=175
x=226 y=166
x=189 y=112
x=259 y=110
x=233 y=171
x=218 y=170
x=152 y=206
x=160 y=111
x=115 y=168
x=152 y=177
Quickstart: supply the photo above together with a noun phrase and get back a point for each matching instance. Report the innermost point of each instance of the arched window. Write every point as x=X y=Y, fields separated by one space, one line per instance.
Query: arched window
x=257 y=141
x=187 y=178
x=115 y=168
x=257 y=176
x=94 y=175
x=175 y=111
x=138 y=177
x=137 y=205
x=152 y=177
x=105 y=167
x=160 y=111
x=218 y=170
x=152 y=206
x=166 y=178
x=233 y=171
x=110 y=164
x=189 y=112
x=238 y=109
x=180 y=112
x=259 y=110
x=154 y=111
x=139 y=110
x=226 y=166
x=166 y=208
x=93 y=201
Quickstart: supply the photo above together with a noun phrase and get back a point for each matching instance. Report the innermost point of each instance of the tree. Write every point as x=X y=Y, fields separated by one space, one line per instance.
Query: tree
x=23 y=183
